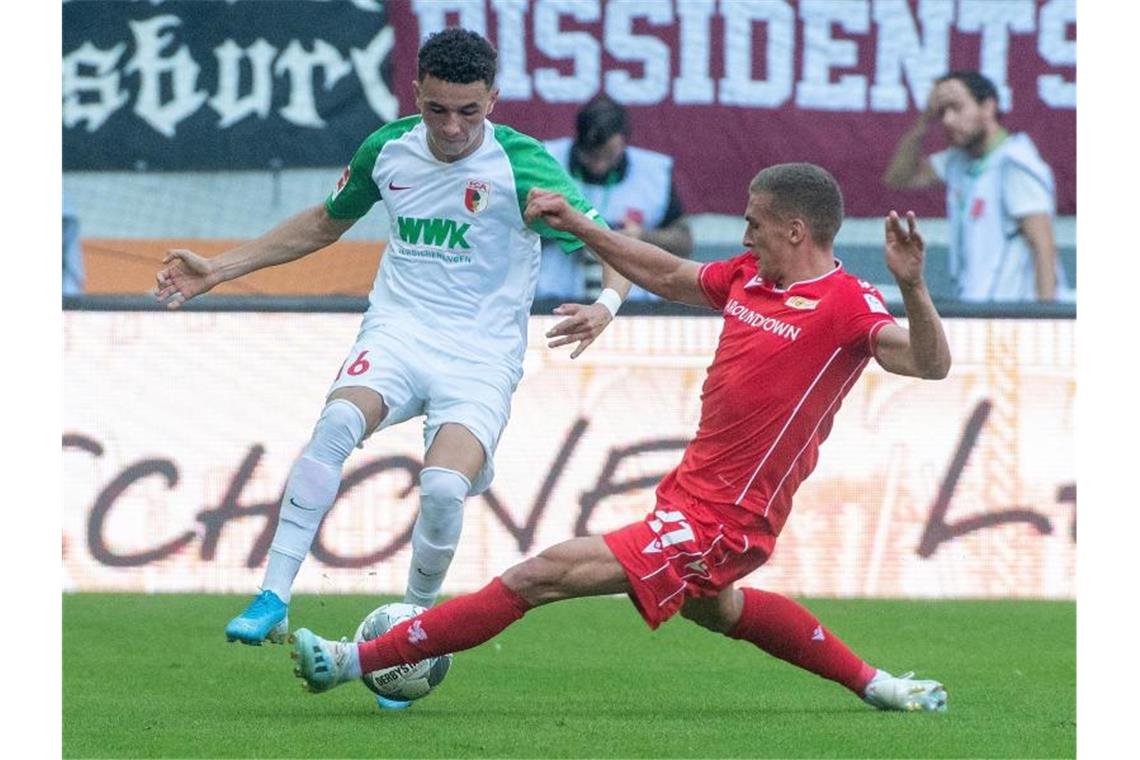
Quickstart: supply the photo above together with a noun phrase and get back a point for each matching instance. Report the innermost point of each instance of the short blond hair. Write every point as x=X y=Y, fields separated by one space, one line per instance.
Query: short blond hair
x=807 y=191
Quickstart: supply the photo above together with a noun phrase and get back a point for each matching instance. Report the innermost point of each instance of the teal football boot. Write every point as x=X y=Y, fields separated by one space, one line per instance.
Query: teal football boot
x=321 y=663
x=266 y=617
x=905 y=693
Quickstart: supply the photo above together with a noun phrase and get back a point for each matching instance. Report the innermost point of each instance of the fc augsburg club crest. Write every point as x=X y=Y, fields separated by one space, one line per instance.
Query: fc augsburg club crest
x=477 y=196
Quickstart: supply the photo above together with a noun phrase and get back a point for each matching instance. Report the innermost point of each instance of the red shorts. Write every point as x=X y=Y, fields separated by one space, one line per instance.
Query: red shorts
x=683 y=549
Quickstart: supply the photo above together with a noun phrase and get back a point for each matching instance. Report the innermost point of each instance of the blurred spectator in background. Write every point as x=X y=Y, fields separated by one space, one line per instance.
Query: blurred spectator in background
x=1000 y=196
x=631 y=187
x=72 y=252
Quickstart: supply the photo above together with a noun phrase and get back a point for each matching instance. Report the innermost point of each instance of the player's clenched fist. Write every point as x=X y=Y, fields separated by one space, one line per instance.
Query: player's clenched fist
x=184 y=275
x=550 y=206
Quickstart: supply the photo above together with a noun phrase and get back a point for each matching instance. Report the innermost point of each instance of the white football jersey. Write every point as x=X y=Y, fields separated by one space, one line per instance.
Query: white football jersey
x=461 y=265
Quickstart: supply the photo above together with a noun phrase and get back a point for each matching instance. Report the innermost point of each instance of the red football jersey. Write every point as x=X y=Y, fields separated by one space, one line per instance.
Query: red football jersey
x=785 y=360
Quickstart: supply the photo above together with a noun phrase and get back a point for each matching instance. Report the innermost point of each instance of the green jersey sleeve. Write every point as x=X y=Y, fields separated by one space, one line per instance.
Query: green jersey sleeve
x=356 y=192
x=533 y=166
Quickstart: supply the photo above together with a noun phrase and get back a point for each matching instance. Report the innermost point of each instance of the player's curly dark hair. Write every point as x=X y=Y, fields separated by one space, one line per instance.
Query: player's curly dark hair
x=459 y=56
x=807 y=191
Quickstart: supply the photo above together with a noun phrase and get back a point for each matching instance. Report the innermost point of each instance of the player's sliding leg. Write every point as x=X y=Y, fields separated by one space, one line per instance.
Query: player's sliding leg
x=310 y=492
x=575 y=568
x=457 y=624
x=787 y=630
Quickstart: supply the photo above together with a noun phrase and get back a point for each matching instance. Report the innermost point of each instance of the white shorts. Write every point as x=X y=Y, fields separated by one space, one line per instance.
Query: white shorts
x=415 y=378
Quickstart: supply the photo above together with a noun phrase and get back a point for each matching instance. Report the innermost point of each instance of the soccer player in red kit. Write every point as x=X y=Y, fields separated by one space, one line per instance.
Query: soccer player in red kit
x=798 y=331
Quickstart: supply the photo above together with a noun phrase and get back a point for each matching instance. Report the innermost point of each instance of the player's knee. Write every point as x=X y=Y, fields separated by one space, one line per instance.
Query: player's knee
x=370 y=403
x=701 y=614
x=538 y=579
x=337 y=432
x=717 y=614
x=442 y=492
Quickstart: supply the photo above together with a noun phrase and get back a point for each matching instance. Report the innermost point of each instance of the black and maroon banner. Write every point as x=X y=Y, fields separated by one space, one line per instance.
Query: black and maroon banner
x=730 y=86
x=240 y=84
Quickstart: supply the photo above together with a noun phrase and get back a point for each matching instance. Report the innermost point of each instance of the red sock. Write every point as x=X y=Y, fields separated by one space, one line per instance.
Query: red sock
x=786 y=630
x=455 y=625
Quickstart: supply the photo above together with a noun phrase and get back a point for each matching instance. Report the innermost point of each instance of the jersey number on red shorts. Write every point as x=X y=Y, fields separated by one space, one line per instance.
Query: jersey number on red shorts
x=679 y=531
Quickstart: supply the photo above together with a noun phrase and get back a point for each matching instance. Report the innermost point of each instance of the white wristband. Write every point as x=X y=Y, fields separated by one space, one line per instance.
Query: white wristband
x=611 y=300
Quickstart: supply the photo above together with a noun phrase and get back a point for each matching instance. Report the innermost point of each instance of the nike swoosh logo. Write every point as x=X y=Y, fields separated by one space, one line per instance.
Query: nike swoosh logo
x=298 y=506
x=392 y=186
x=428 y=575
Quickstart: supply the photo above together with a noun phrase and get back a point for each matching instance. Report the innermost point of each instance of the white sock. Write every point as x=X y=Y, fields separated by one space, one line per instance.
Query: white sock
x=280 y=572
x=352 y=669
x=310 y=492
x=436 y=533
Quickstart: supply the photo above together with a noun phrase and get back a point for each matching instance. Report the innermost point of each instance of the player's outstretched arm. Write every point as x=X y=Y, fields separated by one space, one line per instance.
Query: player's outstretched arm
x=920 y=349
x=654 y=269
x=185 y=274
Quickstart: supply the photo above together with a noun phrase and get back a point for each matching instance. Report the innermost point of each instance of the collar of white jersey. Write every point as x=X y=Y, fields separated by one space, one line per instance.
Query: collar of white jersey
x=488 y=138
x=759 y=282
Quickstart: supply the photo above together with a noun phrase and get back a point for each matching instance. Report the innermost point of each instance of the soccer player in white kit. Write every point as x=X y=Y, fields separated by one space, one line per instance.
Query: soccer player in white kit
x=445 y=330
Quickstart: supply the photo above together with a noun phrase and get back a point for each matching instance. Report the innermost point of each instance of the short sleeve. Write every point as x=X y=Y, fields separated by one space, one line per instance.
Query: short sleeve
x=355 y=191
x=534 y=167
x=863 y=318
x=716 y=279
x=1025 y=193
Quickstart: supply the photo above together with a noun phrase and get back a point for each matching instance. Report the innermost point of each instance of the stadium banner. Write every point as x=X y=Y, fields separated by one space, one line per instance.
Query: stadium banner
x=730 y=86
x=180 y=429
x=724 y=86
x=242 y=84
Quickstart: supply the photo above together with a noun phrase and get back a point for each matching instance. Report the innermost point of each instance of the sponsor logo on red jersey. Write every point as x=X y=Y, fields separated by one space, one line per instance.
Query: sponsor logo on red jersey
x=755 y=319
x=799 y=302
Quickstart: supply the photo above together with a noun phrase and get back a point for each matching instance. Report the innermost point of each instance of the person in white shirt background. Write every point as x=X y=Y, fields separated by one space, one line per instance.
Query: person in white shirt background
x=1000 y=194
x=631 y=187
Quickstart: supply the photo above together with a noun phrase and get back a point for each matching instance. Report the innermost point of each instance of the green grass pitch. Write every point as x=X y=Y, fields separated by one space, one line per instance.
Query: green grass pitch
x=152 y=676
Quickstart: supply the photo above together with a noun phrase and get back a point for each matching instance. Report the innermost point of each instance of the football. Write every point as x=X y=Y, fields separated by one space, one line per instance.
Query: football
x=401 y=682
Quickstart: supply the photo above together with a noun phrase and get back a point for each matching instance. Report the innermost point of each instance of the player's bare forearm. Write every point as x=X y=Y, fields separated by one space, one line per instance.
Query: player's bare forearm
x=652 y=268
x=929 y=349
x=644 y=264
x=921 y=350
x=613 y=280
x=298 y=236
x=186 y=275
x=1038 y=231
x=676 y=239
